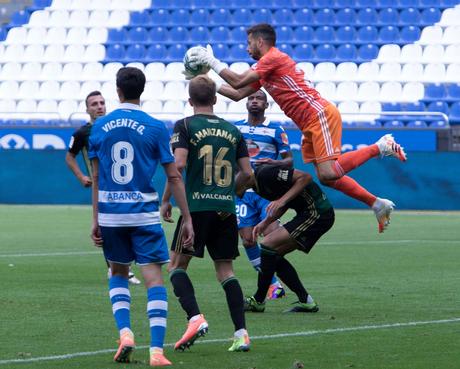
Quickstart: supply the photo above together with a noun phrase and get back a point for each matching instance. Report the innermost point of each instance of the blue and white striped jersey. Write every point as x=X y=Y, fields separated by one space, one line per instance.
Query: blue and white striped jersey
x=267 y=140
x=129 y=145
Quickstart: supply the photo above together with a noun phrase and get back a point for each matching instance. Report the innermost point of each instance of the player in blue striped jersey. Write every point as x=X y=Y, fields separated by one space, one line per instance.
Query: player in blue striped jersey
x=125 y=149
x=266 y=141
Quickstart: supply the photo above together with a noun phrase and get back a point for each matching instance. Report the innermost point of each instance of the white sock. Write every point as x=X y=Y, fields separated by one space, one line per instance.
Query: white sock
x=194 y=318
x=241 y=332
x=309 y=299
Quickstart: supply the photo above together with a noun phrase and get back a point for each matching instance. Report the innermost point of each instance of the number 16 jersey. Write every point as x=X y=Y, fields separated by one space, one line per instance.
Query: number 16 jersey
x=214 y=146
x=129 y=145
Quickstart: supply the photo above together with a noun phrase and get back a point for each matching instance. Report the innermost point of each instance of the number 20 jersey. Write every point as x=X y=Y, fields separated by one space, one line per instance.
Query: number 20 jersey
x=129 y=145
x=214 y=146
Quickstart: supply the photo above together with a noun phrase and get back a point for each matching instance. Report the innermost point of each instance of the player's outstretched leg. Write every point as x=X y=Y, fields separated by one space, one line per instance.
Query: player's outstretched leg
x=382 y=209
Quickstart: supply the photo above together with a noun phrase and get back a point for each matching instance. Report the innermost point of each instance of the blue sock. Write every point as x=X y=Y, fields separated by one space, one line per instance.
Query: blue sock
x=253 y=254
x=157 y=311
x=121 y=301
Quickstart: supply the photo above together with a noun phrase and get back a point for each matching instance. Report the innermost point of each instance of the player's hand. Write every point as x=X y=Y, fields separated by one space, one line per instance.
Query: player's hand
x=206 y=57
x=166 y=212
x=188 y=235
x=96 y=235
x=86 y=181
x=276 y=209
x=258 y=230
x=265 y=161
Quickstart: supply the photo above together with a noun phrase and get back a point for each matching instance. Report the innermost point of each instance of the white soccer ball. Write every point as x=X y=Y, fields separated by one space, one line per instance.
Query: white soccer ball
x=192 y=67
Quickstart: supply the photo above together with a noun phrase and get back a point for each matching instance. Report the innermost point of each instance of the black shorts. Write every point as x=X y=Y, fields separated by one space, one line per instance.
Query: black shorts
x=307 y=228
x=215 y=230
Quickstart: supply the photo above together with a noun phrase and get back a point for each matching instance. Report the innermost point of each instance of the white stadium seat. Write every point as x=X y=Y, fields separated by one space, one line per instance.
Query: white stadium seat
x=390 y=92
x=389 y=53
x=39 y=18
x=153 y=90
x=430 y=35
x=118 y=18
x=10 y=71
x=324 y=72
x=30 y=71
x=346 y=91
x=450 y=17
x=68 y=107
x=174 y=91
x=76 y=35
x=9 y=89
x=390 y=72
x=413 y=91
x=154 y=71
x=371 y=107
x=69 y=90
x=56 y=35
x=411 y=53
x=61 y=4
x=12 y=53
x=97 y=35
x=347 y=108
x=368 y=91
x=28 y=90
x=93 y=53
x=110 y=70
x=71 y=71
x=452 y=54
x=412 y=72
x=78 y=18
x=451 y=35
x=36 y=35
x=239 y=67
x=346 y=71
x=173 y=72
x=368 y=71
x=16 y=35
x=92 y=71
x=51 y=71
x=33 y=52
x=327 y=90
x=453 y=73
x=87 y=87
x=49 y=90
x=58 y=18
x=109 y=90
x=434 y=72
x=47 y=106
x=98 y=17
x=54 y=53
x=152 y=106
x=432 y=54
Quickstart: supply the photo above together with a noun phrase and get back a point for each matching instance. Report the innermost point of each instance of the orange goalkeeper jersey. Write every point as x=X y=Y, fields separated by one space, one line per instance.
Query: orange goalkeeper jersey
x=286 y=84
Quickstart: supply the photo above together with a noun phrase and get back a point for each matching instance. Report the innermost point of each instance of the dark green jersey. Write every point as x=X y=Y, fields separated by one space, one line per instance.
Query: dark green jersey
x=214 y=146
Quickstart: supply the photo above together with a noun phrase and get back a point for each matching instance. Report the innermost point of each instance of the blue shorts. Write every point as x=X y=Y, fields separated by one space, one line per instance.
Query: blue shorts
x=143 y=244
x=250 y=210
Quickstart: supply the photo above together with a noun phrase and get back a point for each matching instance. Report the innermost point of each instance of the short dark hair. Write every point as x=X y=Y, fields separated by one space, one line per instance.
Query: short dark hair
x=202 y=91
x=264 y=30
x=93 y=93
x=131 y=82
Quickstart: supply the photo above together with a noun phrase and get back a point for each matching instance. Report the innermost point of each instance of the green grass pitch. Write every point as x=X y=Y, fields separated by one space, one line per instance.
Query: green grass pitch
x=386 y=301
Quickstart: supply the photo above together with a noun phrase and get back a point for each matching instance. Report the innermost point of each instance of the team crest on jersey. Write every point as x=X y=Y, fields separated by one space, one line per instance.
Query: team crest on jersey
x=253 y=148
x=284 y=138
x=283 y=175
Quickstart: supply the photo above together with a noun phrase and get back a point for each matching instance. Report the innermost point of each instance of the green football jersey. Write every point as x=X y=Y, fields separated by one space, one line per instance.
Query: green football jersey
x=214 y=146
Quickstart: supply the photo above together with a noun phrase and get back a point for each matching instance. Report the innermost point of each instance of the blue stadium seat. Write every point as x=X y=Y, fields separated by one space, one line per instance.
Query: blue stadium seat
x=303 y=52
x=37 y=122
x=199 y=34
x=417 y=124
x=325 y=34
x=389 y=34
x=440 y=106
x=365 y=3
x=39 y=4
x=408 y=3
x=368 y=34
x=430 y=16
x=324 y=17
x=346 y=34
x=321 y=4
x=304 y=16
x=344 y=4
x=391 y=106
x=414 y=106
x=282 y=17
x=199 y=17
x=178 y=34
x=16 y=122
x=346 y=52
x=221 y=51
x=221 y=17
x=448 y=3
x=238 y=34
x=156 y=52
x=238 y=53
x=160 y=17
x=454 y=115
x=241 y=16
x=325 y=52
x=345 y=16
x=140 y=18
x=117 y=35
x=19 y=18
x=180 y=17
x=453 y=91
x=220 y=34
x=262 y=16
x=428 y=3
x=304 y=34
x=393 y=124
x=367 y=52
x=176 y=52
x=263 y=3
x=438 y=124
x=302 y=3
x=162 y=3
x=284 y=34
x=284 y=4
x=215 y=4
x=115 y=52
x=388 y=16
x=236 y=4
x=158 y=34
x=410 y=34
x=285 y=48
x=135 y=52
x=409 y=16
x=2 y=33
x=386 y=3
x=367 y=16
x=138 y=35
x=435 y=92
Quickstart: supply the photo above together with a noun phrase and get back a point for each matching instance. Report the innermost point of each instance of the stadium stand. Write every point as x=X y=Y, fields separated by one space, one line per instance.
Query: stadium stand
x=366 y=56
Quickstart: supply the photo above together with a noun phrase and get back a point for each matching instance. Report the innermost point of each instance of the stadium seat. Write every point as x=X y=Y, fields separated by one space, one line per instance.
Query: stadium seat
x=390 y=72
x=221 y=51
x=412 y=72
x=409 y=16
x=284 y=34
x=238 y=53
x=346 y=71
x=97 y=36
x=286 y=48
x=368 y=91
x=453 y=91
x=19 y=18
x=199 y=17
x=454 y=115
x=411 y=53
x=304 y=34
x=115 y=52
x=241 y=16
x=453 y=73
x=413 y=106
x=178 y=34
x=345 y=17
x=433 y=54
x=199 y=34
x=140 y=18
x=367 y=34
x=367 y=52
x=451 y=54
x=176 y=52
x=138 y=35
x=439 y=124
x=367 y=16
x=155 y=52
x=325 y=34
x=262 y=16
x=327 y=90
x=413 y=91
x=393 y=124
x=324 y=16
x=154 y=71
x=152 y=106
x=160 y=17
x=390 y=91
x=346 y=52
x=117 y=36
x=346 y=34
x=438 y=106
x=431 y=35
x=158 y=34
x=154 y=89
x=325 y=52
x=372 y=110
x=347 y=110
x=434 y=72
x=282 y=17
x=179 y=17
x=308 y=68
x=220 y=34
x=303 y=52
x=416 y=124
x=435 y=92
x=389 y=52
x=98 y=17
x=389 y=34
x=368 y=71
x=324 y=71
x=238 y=34
x=430 y=15
x=304 y=16
x=388 y=16
x=410 y=34
x=135 y=52
x=391 y=106
x=75 y=35
x=347 y=91
x=221 y=17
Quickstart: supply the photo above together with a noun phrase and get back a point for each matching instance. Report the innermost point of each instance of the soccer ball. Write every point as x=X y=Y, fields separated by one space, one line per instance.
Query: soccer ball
x=191 y=67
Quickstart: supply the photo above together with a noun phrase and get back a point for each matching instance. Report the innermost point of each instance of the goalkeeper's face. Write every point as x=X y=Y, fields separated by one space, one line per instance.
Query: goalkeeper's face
x=253 y=48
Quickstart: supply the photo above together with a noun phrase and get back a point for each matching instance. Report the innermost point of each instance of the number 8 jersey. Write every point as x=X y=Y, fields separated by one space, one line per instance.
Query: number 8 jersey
x=214 y=146
x=129 y=145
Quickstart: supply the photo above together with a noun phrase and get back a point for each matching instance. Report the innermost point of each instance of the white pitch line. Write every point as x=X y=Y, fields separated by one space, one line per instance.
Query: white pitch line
x=265 y=337
x=70 y=253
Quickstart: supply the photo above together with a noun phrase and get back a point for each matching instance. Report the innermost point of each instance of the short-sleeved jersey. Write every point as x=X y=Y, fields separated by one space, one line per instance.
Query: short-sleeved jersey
x=129 y=145
x=79 y=143
x=273 y=181
x=286 y=84
x=266 y=140
x=214 y=146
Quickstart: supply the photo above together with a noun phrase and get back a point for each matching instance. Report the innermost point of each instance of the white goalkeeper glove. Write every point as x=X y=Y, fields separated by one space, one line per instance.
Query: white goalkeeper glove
x=206 y=56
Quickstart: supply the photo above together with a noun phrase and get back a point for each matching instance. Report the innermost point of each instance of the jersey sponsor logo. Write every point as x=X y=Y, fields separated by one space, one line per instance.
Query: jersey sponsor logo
x=122 y=123
x=126 y=196
x=253 y=148
x=211 y=196
x=283 y=175
x=215 y=132
x=174 y=138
